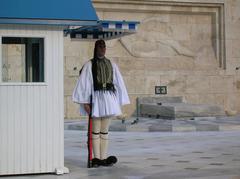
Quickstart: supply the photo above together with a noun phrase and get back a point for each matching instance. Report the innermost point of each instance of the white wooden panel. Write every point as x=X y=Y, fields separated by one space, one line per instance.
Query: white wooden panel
x=4 y=129
x=32 y=115
x=61 y=97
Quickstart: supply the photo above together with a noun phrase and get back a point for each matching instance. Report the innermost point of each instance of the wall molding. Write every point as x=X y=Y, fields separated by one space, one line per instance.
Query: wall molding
x=198 y=3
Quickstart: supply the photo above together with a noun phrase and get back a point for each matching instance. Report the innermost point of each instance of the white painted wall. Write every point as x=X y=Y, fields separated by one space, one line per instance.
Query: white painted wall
x=32 y=114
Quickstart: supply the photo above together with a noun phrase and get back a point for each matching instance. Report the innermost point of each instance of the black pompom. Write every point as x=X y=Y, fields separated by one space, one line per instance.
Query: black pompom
x=112 y=160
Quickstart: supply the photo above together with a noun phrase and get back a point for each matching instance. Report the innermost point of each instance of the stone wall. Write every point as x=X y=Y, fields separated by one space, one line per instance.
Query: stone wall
x=192 y=47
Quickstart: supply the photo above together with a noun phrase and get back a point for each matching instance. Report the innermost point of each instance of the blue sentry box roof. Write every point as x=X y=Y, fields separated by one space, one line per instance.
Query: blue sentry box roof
x=74 y=10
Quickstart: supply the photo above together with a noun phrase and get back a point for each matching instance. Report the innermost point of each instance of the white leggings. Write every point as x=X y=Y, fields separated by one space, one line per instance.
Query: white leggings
x=100 y=128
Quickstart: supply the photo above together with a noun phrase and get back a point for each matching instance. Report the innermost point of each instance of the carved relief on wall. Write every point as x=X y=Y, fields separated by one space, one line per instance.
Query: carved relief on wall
x=190 y=36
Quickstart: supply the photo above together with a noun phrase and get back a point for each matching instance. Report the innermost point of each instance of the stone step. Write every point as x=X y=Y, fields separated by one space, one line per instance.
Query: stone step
x=160 y=99
x=180 y=110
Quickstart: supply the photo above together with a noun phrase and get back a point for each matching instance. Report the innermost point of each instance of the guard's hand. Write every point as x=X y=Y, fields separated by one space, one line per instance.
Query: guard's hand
x=87 y=108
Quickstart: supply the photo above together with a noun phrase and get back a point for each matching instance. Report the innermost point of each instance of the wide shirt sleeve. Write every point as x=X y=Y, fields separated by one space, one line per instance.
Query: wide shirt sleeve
x=121 y=91
x=83 y=89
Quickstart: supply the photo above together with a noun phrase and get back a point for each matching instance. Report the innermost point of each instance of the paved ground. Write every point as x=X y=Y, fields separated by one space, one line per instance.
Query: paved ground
x=196 y=155
x=157 y=150
x=156 y=155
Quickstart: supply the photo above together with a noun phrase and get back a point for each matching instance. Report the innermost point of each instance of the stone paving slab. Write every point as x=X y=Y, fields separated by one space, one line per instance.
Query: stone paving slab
x=163 y=125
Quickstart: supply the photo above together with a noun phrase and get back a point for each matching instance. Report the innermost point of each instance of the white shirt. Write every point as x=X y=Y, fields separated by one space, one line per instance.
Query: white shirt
x=104 y=104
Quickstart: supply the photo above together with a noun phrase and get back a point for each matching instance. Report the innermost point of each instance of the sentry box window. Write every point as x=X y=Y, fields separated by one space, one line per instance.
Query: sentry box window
x=22 y=59
x=160 y=89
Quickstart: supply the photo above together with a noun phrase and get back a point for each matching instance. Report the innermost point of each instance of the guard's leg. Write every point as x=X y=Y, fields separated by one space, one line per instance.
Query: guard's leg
x=105 y=122
x=106 y=161
x=96 y=124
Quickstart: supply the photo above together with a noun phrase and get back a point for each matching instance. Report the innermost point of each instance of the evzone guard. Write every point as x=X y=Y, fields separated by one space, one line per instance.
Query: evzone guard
x=100 y=91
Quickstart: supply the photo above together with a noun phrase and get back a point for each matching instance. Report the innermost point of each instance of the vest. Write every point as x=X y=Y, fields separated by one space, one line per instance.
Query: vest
x=102 y=72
